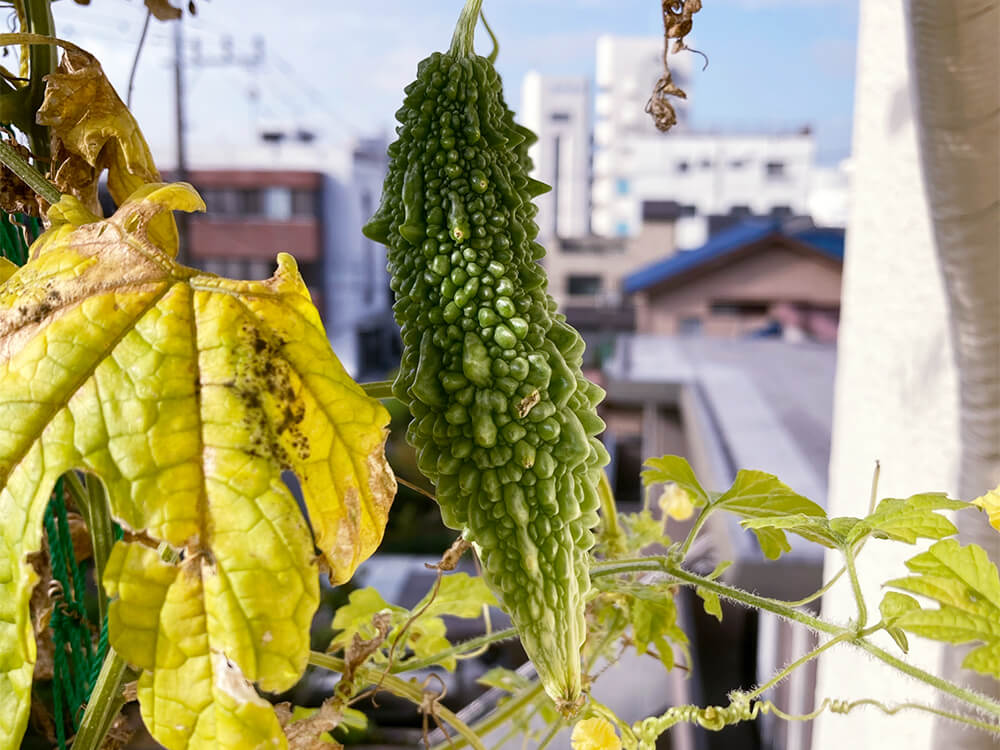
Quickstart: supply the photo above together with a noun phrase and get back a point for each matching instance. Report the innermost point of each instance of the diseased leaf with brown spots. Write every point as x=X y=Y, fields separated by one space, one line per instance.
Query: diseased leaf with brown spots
x=187 y=394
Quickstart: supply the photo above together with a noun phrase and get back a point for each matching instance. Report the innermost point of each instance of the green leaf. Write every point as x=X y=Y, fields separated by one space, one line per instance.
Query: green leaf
x=426 y=637
x=653 y=616
x=819 y=530
x=643 y=530
x=504 y=679
x=908 y=520
x=459 y=595
x=677 y=470
x=712 y=604
x=355 y=617
x=187 y=395
x=965 y=583
x=894 y=607
x=756 y=494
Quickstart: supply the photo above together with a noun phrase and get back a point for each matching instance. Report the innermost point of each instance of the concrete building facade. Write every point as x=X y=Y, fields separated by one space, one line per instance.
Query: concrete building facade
x=316 y=214
x=588 y=271
x=557 y=109
x=251 y=216
x=713 y=173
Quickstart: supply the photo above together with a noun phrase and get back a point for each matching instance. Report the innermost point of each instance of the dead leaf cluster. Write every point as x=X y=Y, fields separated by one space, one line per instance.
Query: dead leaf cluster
x=677 y=24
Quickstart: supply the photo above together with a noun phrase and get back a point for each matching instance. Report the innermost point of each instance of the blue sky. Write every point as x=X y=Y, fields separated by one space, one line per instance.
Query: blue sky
x=338 y=66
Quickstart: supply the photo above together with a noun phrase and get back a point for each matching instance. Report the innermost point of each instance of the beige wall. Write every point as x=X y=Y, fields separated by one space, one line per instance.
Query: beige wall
x=773 y=276
x=609 y=259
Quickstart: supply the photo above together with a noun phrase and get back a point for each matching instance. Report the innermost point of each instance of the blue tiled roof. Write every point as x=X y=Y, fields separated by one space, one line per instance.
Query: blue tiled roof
x=829 y=242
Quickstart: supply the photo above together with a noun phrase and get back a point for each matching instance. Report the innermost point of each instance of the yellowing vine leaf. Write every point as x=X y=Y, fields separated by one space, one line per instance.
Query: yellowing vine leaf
x=990 y=502
x=187 y=394
x=965 y=584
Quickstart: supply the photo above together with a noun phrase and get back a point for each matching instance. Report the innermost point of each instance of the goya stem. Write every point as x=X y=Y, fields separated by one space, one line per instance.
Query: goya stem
x=413 y=692
x=849 y=635
x=465 y=29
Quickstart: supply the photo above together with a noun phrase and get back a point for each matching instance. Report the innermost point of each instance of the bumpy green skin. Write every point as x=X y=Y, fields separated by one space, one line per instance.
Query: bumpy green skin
x=503 y=420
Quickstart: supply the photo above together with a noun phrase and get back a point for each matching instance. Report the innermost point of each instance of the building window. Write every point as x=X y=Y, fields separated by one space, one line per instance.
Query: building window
x=221 y=201
x=737 y=163
x=305 y=202
x=775 y=170
x=232 y=202
x=259 y=269
x=690 y=326
x=781 y=211
x=584 y=285
x=740 y=210
x=559 y=117
x=706 y=164
x=683 y=166
x=214 y=265
x=622 y=186
x=277 y=203
x=249 y=202
x=740 y=309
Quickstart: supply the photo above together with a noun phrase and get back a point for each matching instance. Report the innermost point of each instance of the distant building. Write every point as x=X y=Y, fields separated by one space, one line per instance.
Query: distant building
x=759 y=277
x=252 y=215
x=627 y=69
x=361 y=326
x=726 y=405
x=712 y=173
x=829 y=195
x=588 y=271
x=557 y=109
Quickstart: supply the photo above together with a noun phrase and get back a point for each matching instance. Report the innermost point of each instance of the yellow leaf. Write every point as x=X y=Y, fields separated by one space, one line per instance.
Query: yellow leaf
x=676 y=503
x=92 y=130
x=188 y=395
x=990 y=502
x=595 y=734
x=7 y=269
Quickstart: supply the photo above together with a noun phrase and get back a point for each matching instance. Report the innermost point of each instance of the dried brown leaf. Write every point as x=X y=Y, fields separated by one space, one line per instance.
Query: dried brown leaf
x=162 y=10
x=305 y=734
x=677 y=24
x=92 y=130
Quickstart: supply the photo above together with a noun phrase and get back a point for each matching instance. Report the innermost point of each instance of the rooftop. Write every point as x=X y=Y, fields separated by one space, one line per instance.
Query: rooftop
x=825 y=241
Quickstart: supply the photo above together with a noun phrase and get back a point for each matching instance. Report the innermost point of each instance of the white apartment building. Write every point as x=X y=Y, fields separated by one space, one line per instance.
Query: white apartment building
x=557 y=109
x=711 y=173
x=627 y=69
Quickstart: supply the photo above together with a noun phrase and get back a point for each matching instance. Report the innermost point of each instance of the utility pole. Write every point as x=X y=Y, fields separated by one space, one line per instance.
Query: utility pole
x=181 y=172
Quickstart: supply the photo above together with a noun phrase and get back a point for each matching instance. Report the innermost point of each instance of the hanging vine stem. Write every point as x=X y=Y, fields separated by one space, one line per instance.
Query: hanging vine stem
x=849 y=635
x=742 y=708
x=28 y=174
x=677 y=24
x=397 y=686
